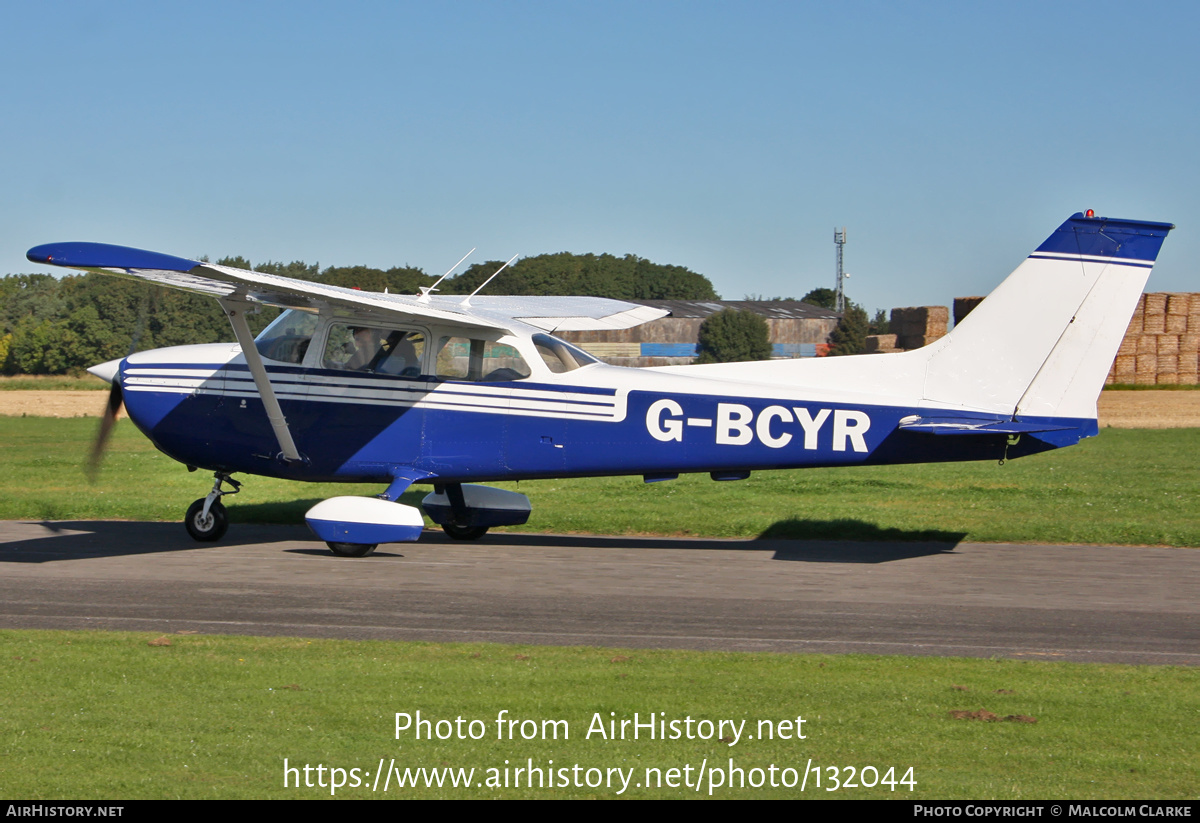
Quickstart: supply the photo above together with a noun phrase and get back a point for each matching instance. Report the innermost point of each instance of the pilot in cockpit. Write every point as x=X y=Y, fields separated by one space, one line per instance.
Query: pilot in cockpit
x=366 y=345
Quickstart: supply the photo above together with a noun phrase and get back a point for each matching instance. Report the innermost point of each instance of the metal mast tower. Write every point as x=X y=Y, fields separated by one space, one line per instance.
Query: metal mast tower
x=839 y=239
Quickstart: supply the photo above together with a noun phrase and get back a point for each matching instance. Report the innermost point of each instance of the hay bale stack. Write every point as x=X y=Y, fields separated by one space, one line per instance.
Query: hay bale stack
x=1129 y=344
x=1154 y=314
x=918 y=326
x=1168 y=359
x=880 y=344
x=1146 y=372
x=964 y=306
x=1161 y=341
x=937 y=320
x=1177 y=313
x=1155 y=303
x=1189 y=359
x=1124 y=369
x=1135 y=322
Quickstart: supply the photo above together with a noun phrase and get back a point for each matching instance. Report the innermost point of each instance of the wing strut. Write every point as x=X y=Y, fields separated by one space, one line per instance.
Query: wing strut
x=235 y=310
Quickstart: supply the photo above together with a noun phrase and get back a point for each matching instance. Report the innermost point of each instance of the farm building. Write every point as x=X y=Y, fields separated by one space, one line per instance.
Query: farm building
x=795 y=329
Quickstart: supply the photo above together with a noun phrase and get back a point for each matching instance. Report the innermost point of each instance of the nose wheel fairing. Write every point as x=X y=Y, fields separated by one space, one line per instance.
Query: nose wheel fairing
x=364 y=521
x=353 y=526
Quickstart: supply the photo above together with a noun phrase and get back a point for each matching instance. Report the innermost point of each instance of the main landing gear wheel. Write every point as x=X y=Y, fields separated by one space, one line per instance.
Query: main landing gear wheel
x=206 y=529
x=351 y=549
x=464 y=532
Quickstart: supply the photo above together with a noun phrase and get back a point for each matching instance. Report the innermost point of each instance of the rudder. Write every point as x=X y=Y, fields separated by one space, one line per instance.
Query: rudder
x=1072 y=299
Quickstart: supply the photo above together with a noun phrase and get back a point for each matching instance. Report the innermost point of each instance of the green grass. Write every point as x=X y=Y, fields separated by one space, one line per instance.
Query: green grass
x=52 y=382
x=1137 y=487
x=107 y=715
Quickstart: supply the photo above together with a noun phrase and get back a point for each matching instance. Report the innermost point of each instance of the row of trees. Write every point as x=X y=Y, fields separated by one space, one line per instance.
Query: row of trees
x=56 y=326
x=850 y=336
x=52 y=325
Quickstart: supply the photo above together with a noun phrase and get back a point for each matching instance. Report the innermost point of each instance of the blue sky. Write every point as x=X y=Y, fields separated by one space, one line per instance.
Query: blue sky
x=949 y=138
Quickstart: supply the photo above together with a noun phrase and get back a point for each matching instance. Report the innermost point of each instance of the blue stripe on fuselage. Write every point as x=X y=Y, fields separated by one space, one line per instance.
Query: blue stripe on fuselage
x=358 y=441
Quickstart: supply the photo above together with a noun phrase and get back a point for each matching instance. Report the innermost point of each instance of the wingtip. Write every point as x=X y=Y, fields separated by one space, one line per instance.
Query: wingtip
x=105 y=256
x=39 y=254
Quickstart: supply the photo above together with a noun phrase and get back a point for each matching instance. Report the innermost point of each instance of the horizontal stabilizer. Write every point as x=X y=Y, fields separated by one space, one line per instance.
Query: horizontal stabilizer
x=973 y=425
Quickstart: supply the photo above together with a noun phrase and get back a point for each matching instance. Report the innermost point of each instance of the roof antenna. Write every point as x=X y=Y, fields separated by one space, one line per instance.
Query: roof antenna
x=466 y=303
x=427 y=290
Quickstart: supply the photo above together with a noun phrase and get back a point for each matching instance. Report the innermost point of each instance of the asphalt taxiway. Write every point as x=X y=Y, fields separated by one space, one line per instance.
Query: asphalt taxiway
x=1079 y=603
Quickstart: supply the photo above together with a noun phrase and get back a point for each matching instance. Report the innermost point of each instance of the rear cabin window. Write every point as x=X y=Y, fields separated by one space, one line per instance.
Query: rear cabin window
x=479 y=361
x=374 y=350
x=286 y=340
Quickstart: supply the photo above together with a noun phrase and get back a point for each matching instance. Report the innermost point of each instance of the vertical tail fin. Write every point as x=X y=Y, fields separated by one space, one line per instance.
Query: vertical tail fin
x=1042 y=343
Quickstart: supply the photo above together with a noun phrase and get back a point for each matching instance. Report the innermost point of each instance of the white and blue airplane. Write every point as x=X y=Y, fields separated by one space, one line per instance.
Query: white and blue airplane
x=357 y=386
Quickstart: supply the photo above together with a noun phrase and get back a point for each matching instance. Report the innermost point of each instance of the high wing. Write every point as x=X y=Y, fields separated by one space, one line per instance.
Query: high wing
x=506 y=314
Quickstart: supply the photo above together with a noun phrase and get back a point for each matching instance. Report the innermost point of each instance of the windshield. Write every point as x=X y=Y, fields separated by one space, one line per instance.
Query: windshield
x=286 y=340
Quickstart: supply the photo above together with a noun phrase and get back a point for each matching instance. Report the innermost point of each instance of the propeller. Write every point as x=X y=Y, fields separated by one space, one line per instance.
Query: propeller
x=110 y=372
x=105 y=371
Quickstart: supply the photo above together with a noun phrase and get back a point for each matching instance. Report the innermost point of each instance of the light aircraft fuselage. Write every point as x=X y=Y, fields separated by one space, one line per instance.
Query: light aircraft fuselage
x=363 y=387
x=200 y=406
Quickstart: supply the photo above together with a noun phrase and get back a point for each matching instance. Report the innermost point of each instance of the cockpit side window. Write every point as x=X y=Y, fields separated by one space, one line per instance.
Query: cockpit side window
x=479 y=361
x=286 y=340
x=374 y=350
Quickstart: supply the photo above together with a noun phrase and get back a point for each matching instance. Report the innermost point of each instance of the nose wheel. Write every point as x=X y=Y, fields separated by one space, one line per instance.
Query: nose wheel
x=206 y=527
x=206 y=519
x=351 y=549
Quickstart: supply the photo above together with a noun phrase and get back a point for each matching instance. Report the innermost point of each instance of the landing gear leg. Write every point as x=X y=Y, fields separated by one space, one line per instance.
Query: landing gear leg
x=206 y=519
